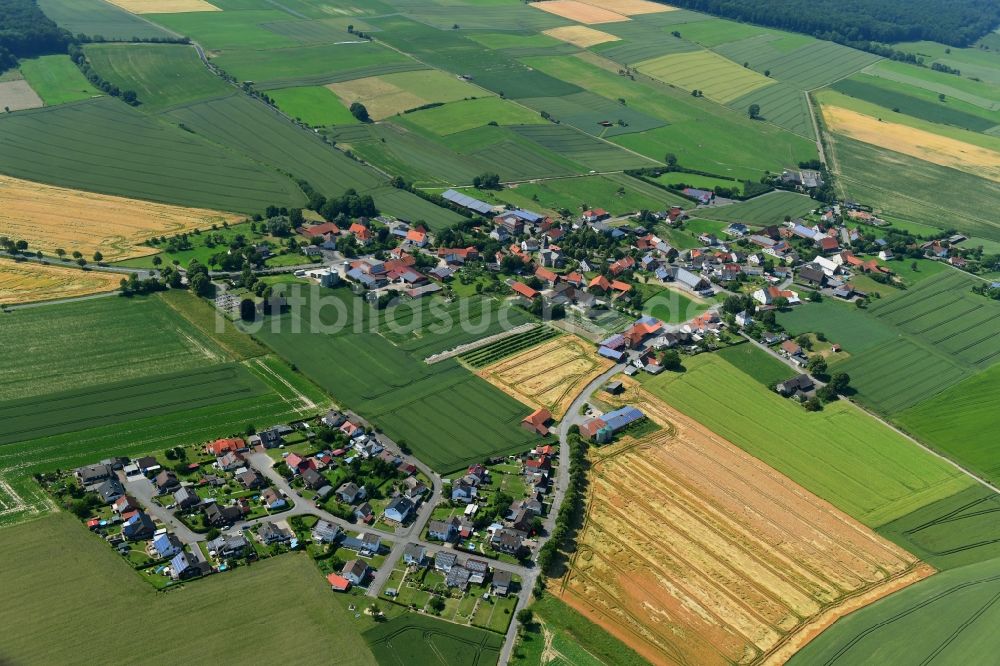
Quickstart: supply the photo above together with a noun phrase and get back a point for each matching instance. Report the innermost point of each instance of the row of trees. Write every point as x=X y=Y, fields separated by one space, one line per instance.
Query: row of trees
x=78 y=57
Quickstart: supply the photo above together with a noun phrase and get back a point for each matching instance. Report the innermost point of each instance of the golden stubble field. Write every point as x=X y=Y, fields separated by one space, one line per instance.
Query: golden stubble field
x=549 y=375
x=934 y=148
x=165 y=6
x=580 y=35
x=694 y=552
x=50 y=218
x=29 y=282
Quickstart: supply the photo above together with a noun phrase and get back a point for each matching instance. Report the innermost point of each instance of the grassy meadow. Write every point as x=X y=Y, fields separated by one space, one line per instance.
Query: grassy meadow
x=57 y=80
x=420 y=639
x=840 y=454
x=160 y=74
x=56 y=572
x=945 y=618
x=127 y=153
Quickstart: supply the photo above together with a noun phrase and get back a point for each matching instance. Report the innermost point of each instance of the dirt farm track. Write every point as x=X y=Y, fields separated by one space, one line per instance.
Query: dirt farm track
x=694 y=552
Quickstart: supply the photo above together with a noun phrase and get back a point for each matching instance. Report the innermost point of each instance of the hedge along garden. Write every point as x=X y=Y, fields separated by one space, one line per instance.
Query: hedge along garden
x=445 y=414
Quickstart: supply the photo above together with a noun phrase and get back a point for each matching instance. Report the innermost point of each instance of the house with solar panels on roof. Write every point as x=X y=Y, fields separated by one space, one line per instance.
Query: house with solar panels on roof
x=603 y=429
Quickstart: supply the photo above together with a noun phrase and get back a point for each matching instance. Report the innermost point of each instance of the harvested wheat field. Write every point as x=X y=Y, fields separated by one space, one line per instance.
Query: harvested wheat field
x=580 y=12
x=914 y=142
x=389 y=94
x=50 y=218
x=580 y=35
x=24 y=282
x=549 y=375
x=165 y=6
x=631 y=7
x=17 y=95
x=694 y=552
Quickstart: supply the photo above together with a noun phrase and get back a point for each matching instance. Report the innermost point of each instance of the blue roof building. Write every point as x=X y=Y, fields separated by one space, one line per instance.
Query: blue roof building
x=467 y=202
x=620 y=418
x=613 y=354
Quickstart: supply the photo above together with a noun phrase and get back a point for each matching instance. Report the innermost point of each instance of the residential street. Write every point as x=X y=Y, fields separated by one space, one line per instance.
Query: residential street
x=144 y=491
x=529 y=576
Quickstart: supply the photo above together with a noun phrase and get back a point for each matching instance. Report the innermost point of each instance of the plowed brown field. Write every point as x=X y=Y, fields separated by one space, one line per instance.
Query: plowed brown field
x=549 y=375
x=694 y=552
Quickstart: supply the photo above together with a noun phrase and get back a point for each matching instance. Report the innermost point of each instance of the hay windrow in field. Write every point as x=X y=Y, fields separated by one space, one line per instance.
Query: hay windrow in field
x=50 y=218
x=924 y=145
x=548 y=376
x=692 y=551
x=579 y=11
x=165 y=6
x=30 y=282
x=580 y=35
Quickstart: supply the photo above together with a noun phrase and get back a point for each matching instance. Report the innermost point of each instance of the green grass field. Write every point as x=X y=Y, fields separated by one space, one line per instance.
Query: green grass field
x=843 y=324
x=162 y=75
x=592 y=114
x=592 y=153
x=888 y=94
x=448 y=416
x=157 y=374
x=915 y=190
x=980 y=93
x=304 y=65
x=575 y=640
x=953 y=532
x=720 y=79
x=56 y=572
x=99 y=18
x=467 y=114
x=945 y=619
x=757 y=363
x=126 y=339
x=120 y=402
x=960 y=421
x=225 y=30
x=259 y=133
x=451 y=51
x=946 y=333
x=127 y=153
x=840 y=454
x=421 y=639
x=764 y=210
x=668 y=305
x=617 y=193
x=812 y=65
x=56 y=79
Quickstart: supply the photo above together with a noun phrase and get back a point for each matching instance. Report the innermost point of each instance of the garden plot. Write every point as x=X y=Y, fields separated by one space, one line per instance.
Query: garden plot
x=548 y=376
x=692 y=551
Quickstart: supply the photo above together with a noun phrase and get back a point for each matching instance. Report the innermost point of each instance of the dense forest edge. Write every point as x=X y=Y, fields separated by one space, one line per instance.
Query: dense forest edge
x=25 y=32
x=855 y=22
